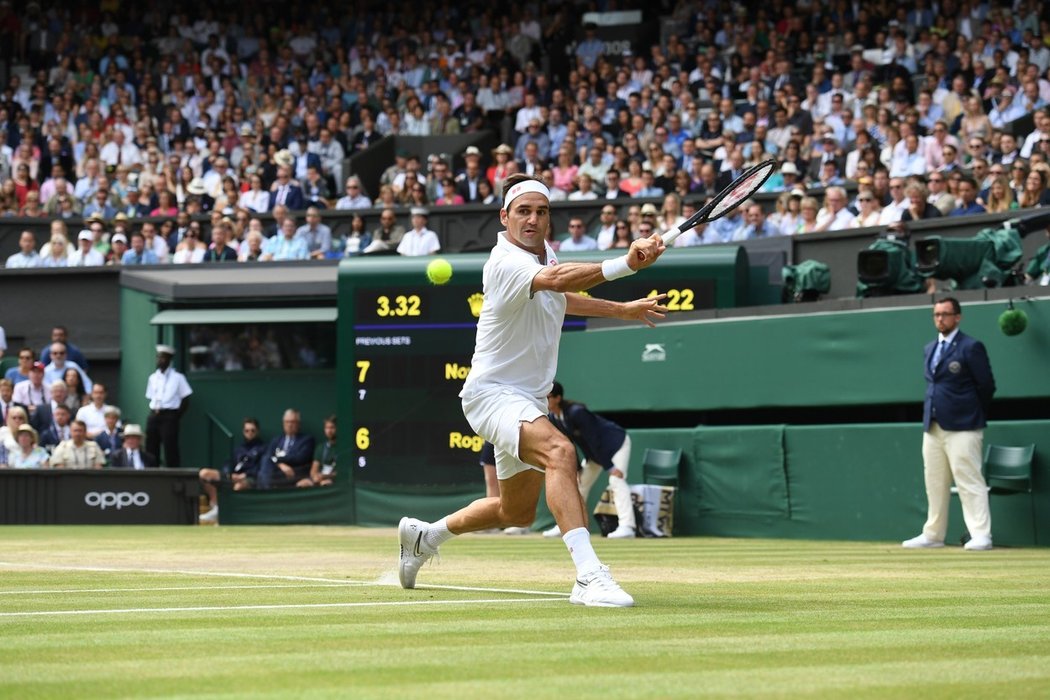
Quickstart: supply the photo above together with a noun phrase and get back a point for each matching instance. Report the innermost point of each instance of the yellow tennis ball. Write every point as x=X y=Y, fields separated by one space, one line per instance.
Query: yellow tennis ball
x=439 y=271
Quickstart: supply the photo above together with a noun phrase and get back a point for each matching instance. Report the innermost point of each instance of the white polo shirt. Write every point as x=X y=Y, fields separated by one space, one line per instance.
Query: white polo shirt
x=166 y=390
x=94 y=417
x=518 y=333
x=424 y=242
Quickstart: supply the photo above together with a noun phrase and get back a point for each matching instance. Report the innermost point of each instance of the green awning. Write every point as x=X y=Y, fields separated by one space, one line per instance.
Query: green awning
x=181 y=317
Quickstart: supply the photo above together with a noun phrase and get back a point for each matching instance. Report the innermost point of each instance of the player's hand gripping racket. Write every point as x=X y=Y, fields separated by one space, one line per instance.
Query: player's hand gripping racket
x=728 y=199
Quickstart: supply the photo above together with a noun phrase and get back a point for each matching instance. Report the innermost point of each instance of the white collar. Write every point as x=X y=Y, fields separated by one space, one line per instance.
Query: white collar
x=950 y=338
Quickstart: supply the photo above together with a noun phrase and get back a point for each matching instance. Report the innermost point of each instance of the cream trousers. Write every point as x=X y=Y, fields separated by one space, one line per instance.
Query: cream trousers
x=955 y=455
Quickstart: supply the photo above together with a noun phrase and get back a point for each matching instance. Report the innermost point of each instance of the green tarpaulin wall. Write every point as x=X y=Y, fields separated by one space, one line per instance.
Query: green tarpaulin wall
x=849 y=482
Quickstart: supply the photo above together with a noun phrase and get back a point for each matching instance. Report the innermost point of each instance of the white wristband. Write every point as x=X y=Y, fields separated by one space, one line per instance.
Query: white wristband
x=615 y=268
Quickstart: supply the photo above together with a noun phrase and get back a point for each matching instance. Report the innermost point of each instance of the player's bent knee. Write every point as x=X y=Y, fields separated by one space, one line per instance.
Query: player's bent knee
x=562 y=455
x=518 y=519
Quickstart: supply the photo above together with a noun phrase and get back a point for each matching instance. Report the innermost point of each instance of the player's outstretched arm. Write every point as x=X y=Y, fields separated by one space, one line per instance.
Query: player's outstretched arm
x=578 y=277
x=648 y=310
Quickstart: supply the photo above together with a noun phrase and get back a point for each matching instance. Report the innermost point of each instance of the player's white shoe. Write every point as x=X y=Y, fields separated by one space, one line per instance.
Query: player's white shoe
x=599 y=589
x=414 y=552
x=553 y=532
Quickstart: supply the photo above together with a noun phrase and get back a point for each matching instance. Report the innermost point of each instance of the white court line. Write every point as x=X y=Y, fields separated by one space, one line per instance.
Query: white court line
x=290 y=606
x=165 y=588
x=182 y=572
x=277 y=577
x=489 y=590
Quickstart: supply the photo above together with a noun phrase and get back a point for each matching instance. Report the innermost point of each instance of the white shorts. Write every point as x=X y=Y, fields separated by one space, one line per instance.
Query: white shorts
x=496 y=415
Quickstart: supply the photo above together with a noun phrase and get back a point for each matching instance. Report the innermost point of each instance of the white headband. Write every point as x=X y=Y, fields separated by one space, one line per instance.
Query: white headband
x=523 y=187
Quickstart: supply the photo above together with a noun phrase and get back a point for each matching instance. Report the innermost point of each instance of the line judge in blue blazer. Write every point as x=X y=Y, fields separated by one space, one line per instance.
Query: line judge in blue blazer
x=959 y=389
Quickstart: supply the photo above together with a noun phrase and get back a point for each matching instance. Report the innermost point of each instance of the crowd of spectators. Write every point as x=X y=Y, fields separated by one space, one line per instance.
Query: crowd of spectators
x=887 y=110
x=54 y=415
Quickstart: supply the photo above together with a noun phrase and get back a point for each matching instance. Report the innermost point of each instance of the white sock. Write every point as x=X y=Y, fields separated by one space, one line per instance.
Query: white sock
x=579 y=543
x=437 y=534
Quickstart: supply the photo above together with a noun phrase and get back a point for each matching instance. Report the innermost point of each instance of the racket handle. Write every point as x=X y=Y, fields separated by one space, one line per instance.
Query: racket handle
x=671 y=235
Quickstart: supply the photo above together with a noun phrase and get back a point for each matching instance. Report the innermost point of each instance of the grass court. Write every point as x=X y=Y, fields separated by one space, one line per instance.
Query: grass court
x=312 y=612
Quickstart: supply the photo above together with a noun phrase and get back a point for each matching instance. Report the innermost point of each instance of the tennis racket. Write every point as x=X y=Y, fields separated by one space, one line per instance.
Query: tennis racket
x=728 y=199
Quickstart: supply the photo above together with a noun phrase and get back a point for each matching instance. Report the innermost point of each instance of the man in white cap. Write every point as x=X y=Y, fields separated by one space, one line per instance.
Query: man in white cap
x=86 y=255
x=169 y=397
x=419 y=240
x=527 y=295
x=130 y=455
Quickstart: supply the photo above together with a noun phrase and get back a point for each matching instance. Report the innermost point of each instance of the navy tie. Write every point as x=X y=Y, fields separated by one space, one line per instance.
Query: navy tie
x=938 y=352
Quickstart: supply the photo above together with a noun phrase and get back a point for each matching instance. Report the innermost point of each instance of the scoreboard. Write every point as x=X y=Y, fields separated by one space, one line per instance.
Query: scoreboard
x=405 y=347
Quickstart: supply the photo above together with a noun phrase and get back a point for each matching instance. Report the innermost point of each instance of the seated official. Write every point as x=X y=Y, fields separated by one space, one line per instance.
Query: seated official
x=242 y=469
x=288 y=457
x=322 y=471
x=131 y=455
x=78 y=452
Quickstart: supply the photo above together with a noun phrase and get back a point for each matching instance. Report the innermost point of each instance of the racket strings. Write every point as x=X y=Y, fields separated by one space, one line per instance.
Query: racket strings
x=743 y=190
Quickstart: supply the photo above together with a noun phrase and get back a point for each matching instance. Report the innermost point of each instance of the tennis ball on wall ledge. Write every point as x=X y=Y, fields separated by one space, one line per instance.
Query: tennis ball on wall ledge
x=439 y=271
x=1013 y=321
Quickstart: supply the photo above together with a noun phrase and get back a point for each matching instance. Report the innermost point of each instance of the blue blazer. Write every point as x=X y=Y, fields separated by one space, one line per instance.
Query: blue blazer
x=311 y=159
x=107 y=445
x=598 y=438
x=299 y=457
x=959 y=390
x=294 y=201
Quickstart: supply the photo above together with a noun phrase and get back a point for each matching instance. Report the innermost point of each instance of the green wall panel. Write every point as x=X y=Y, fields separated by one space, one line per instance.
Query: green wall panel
x=317 y=506
x=138 y=357
x=857 y=482
x=742 y=472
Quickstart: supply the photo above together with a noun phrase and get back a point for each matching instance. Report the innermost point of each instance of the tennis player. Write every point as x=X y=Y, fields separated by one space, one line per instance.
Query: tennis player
x=527 y=294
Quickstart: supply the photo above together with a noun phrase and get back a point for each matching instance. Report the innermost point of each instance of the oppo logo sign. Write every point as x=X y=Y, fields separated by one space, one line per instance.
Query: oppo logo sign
x=114 y=499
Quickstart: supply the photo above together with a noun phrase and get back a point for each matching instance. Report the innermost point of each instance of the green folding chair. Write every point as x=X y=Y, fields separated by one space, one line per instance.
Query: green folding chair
x=1008 y=471
x=660 y=467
